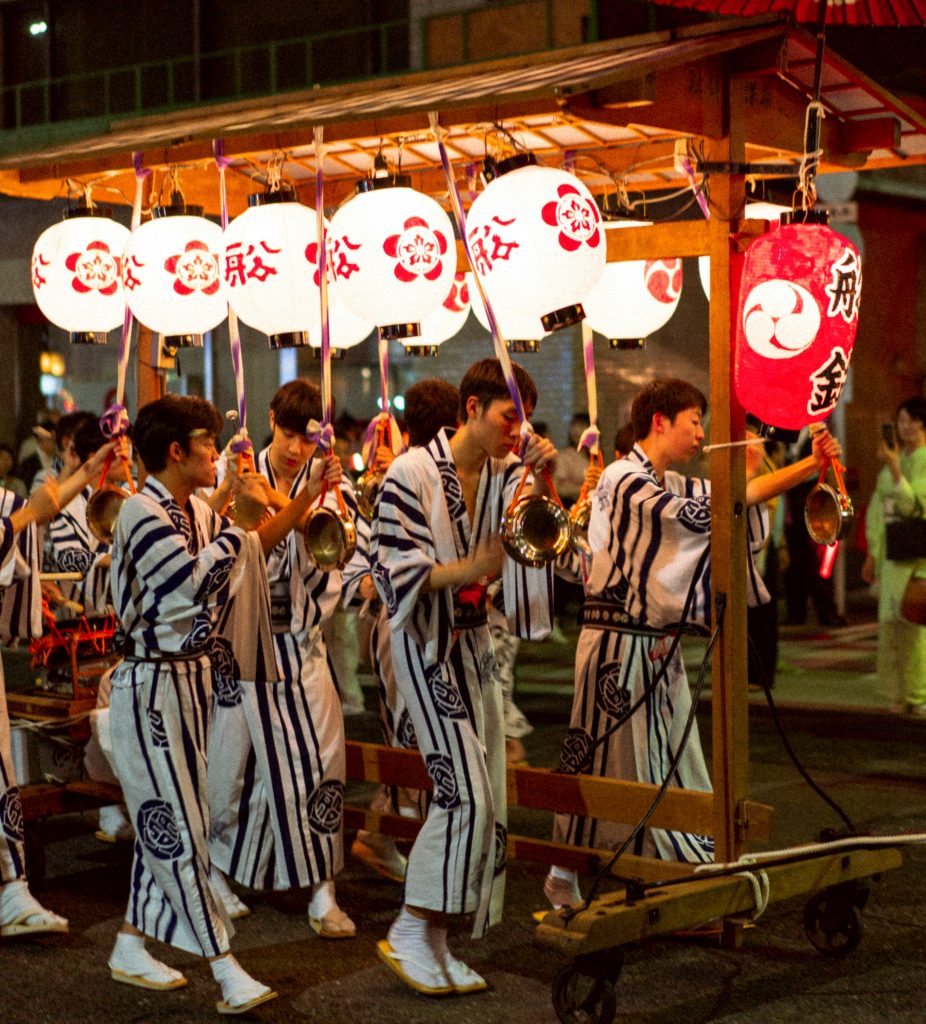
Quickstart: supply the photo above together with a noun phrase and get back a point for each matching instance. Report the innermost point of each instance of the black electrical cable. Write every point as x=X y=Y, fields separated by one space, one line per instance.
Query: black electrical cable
x=720 y=601
x=786 y=743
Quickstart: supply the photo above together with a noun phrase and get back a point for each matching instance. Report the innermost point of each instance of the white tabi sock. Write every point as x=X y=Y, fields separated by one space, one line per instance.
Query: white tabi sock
x=238 y=987
x=460 y=975
x=323 y=899
x=411 y=937
x=17 y=904
x=130 y=958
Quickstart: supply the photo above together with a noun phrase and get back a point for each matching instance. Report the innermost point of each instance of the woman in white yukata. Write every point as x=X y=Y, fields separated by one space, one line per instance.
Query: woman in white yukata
x=435 y=544
x=21 y=618
x=175 y=563
x=650 y=536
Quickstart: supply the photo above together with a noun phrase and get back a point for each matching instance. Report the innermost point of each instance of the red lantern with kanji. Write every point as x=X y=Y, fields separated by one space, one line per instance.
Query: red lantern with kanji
x=796 y=322
x=270 y=273
x=536 y=237
x=76 y=274
x=171 y=274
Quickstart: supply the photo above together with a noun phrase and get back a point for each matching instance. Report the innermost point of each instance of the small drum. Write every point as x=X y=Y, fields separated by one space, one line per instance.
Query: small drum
x=330 y=535
x=579 y=517
x=103 y=508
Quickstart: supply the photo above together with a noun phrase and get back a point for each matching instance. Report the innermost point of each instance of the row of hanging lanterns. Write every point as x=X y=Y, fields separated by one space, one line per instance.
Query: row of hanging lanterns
x=535 y=232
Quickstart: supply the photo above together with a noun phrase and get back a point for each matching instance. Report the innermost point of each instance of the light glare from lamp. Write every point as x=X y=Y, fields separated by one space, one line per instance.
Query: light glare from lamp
x=38 y=28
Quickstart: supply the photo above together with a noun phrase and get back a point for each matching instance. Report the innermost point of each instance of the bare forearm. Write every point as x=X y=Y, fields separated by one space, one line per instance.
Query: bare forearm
x=768 y=485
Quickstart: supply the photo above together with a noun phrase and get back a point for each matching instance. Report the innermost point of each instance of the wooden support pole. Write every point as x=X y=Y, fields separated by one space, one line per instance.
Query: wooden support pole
x=728 y=534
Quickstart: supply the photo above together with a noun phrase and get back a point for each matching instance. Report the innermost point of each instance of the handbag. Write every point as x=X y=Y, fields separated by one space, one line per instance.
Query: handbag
x=913 y=602
x=905 y=539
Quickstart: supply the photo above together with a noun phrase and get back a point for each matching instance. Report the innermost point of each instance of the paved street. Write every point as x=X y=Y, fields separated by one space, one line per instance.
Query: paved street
x=868 y=760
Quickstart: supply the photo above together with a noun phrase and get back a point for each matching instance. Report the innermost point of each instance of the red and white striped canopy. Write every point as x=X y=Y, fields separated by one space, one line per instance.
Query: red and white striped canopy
x=838 y=12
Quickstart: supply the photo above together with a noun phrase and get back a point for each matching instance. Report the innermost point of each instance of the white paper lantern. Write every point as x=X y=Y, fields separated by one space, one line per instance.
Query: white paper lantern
x=445 y=321
x=344 y=329
x=535 y=236
x=270 y=271
x=76 y=274
x=633 y=299
x=392 y=255
x=171 y=274
x=522 y=331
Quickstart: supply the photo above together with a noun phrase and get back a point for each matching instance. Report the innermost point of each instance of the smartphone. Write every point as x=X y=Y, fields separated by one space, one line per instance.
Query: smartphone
x=887 y=432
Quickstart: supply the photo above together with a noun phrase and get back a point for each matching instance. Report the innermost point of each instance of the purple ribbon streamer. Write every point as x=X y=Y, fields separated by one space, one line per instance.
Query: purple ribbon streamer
x=234 y=334
x=699 y=194
x=321 y=434
x=501 y=351
x=125 y=342
x=318 y=134
x=114 y=423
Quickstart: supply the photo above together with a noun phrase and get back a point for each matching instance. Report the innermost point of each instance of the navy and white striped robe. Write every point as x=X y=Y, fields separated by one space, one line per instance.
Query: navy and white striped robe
x=169 y=583
x=449 y=678
x=20 y=618
x=394 y=718
x=278 y=764
x=647 y=538
x=76 y=549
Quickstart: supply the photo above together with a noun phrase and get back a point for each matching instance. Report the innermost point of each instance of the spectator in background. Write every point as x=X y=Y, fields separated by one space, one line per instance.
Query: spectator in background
x=8 y=479
x=900 y=491
x=572 y=462
x=42 y=457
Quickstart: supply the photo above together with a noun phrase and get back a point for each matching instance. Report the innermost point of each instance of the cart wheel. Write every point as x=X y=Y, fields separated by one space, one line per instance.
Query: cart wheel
x=583 y=992
x=35 y=851
x=832 y=923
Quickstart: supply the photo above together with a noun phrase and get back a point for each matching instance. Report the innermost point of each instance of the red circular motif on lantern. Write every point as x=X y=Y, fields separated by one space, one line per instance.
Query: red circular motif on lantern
x=417 y=251
x=663 y=279
x=195 y=270
x=95 y=269
x=796 y=323
x=576 y=217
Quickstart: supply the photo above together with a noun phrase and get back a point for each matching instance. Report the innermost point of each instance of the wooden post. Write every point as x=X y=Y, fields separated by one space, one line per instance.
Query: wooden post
x=150 y=379
x=728 y=544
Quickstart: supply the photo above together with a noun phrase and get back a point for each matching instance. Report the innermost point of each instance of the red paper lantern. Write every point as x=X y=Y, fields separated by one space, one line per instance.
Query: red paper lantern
x=796 y=323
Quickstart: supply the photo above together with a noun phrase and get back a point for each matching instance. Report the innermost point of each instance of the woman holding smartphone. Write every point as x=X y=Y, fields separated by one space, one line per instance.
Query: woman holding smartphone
x=900 y=491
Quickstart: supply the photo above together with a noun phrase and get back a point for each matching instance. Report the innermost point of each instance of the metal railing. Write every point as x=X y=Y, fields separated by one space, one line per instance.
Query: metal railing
x=266 y=69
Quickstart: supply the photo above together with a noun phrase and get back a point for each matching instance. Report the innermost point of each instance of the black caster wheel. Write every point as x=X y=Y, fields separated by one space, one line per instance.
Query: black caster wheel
x=833 y=923
x=583 y=992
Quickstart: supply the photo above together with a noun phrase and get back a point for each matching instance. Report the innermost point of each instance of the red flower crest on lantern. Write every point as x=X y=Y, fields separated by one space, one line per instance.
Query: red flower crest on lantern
x=417 y=251
x=94 y=269
x=458 y=297
x=576 y=218
x=195 y=269
x=663 y=279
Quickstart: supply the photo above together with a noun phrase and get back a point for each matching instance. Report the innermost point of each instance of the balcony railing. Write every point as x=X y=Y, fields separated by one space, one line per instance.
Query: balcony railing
x=388 y=48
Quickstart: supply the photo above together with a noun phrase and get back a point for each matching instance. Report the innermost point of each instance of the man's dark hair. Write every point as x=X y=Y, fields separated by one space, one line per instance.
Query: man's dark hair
x=69 y=424
x=168 y=419
x=668 y=396
x=429 y=405
x=295 y=403
x=915 y=408
x=87 y=439
x=486 y=380
x=623 y=439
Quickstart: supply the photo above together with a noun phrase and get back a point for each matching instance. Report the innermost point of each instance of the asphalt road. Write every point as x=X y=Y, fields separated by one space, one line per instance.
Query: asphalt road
x=872 y=764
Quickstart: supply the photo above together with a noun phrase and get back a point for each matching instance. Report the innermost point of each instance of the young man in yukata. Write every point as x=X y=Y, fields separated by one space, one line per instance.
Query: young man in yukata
x=430 y=404
x=650 y=534
x=435 y=545
x=21 y=618
x=175 y=564
x=278 y=786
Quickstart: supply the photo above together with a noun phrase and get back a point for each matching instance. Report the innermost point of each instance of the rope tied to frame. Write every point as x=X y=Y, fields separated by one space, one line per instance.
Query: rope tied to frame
x=761 y=889
x=806 y=174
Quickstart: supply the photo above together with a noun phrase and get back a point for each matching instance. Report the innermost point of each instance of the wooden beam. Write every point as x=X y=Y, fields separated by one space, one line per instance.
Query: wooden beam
x=871 y=133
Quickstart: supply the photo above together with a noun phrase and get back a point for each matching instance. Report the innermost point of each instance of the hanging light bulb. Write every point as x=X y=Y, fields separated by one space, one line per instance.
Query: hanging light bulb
x=535 y=235
x=522 y=332
x=271 y=267
x=76 y=274
x=171 y=274
x=391 y=252
x=445 y=321
x=796 y=321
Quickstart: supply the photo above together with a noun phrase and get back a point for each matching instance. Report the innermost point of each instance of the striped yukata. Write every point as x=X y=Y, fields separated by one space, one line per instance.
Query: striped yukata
x=76 y=549
x=20 y=618
x=170 y=581
x=394 y=717
x=647 y=540
x=278 y=761
x=446 y=672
